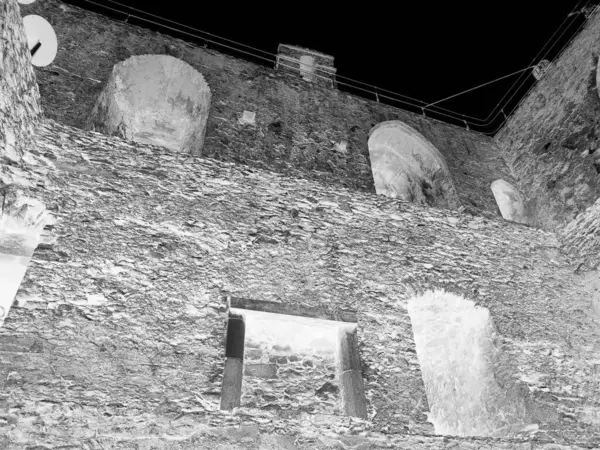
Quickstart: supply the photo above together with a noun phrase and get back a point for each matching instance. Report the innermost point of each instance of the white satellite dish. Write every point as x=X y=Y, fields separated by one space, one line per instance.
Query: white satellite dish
x=26 y=2
x=41 y=39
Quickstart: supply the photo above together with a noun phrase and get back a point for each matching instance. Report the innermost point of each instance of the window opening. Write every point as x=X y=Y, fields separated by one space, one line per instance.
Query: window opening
x=292 y=360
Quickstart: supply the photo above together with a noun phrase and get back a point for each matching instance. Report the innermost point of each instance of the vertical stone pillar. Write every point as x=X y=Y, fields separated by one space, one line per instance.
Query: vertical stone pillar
x=20 y=110
x=351 y=381
x=21 y=223
x=231 y=391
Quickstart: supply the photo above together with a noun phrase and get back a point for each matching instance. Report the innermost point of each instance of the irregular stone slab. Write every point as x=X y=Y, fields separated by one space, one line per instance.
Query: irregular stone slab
x=406 y=166
x=261 y=370
x=510 y=201
x=154 y=99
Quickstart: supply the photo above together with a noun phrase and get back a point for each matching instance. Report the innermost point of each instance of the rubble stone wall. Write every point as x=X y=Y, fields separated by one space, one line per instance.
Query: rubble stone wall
x=299 y=125
x=20 y=109
x=118 y=339
x=581 y=239
x=550 y=143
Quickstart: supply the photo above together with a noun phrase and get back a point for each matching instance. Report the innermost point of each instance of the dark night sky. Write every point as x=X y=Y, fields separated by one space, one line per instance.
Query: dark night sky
x=419 y=49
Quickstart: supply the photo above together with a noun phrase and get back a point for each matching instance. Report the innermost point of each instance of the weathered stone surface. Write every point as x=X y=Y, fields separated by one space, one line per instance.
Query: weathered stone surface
x=407 y=167
x=550 y=143
x=581 y=238
x=298 y=127
x=119 y=338
x=154 y=99
x=510 y=201
x=132 y=216
x=20 y=109
x=260 y=370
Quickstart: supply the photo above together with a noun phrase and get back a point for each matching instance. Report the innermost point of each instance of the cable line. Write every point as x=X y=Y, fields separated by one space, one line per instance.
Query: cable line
x=480 y=86
x=423 y=107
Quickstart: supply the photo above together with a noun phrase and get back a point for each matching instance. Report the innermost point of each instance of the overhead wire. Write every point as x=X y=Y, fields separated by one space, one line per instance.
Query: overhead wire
x=535 y=58
x=479 y=86
x=247 y=46
x=543 y=56
x=420 y=103
x=431 y=108
x=594 y=11
x=271 y=60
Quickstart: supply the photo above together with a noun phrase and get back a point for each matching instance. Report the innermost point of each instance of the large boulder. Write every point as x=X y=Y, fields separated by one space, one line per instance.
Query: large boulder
x=154 y=99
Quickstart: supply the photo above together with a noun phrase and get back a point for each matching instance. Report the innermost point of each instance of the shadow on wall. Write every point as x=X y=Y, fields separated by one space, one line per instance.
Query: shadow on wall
x=510 y=201
x=154 y=99
x=406 y=166
x=463 y=370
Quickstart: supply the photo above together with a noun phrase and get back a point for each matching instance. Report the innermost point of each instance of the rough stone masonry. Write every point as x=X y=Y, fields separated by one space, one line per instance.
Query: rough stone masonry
x=117 y=335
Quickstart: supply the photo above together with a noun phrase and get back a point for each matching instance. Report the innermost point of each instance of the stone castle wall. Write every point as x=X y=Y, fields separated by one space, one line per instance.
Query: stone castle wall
x=551 y=141
x=117 y=339
x=299 y=125
x=20 y=109
x=125 y=317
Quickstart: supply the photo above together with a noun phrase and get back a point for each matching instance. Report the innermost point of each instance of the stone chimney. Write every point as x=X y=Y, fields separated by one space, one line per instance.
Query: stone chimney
x=312 y=66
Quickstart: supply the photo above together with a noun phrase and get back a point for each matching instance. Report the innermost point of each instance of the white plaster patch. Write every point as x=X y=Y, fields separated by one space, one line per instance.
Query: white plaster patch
x=307 y=67
x=248 y=118
x=454 y=341
x=300 y=334
x=510 y=201
x=12 y=271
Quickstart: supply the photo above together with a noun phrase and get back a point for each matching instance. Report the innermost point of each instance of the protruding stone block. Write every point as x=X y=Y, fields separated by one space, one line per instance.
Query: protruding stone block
x=248 y=118
x=154 y=99
x=510 y=201
x=21 y=215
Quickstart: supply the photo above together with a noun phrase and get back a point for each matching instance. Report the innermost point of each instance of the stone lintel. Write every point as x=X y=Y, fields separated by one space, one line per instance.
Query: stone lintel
x=293 y=49
x=237 y=303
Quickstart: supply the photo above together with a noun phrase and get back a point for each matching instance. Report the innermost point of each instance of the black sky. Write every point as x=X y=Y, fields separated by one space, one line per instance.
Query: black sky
x=424 y=50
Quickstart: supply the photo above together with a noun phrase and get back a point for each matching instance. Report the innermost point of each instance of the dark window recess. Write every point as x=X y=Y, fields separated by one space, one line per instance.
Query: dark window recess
x=274 y=350
x=234 y=353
